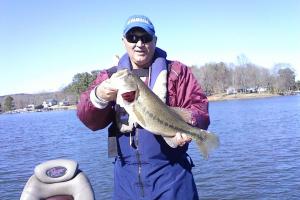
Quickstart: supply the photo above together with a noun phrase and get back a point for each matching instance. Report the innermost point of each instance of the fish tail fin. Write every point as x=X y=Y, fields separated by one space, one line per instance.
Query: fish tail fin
x=207 y=142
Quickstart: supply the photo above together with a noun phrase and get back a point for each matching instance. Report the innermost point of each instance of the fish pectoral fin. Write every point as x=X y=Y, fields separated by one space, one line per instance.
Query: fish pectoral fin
x=183 y=113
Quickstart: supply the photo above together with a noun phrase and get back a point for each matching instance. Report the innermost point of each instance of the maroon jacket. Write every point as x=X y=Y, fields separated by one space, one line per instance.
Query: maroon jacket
x=183 y=91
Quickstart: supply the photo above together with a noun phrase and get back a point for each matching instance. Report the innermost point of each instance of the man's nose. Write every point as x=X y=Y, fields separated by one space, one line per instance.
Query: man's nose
x=140 y=43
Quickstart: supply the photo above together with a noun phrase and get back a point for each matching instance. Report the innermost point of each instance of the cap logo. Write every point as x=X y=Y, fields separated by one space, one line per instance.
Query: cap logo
x=138 y=19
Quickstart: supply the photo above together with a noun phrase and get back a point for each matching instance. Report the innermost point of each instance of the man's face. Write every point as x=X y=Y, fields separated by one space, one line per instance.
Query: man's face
x=140 y=47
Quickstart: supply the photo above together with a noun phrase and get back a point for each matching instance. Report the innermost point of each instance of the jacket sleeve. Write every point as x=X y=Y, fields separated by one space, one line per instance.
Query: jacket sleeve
x=92 y=117
x=185 y=92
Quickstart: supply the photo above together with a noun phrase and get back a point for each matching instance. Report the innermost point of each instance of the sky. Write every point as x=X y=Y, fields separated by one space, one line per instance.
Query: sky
x=44 y=43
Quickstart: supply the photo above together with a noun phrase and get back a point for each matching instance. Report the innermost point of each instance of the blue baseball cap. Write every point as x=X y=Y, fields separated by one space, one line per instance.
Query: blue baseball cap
x=140 y=21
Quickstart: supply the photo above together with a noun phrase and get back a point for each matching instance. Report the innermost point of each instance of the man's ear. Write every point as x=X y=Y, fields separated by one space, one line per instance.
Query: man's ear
x=124 y=41
x=155 y=40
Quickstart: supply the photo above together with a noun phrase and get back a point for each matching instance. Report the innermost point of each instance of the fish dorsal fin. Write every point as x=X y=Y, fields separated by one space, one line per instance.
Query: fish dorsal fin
x=182 y=113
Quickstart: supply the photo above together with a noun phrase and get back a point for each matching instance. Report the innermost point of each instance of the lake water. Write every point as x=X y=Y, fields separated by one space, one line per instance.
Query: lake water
x=258 y=157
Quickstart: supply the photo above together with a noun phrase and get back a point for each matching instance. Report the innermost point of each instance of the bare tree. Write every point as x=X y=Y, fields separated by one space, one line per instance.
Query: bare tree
x=206 y=78
x=241 y=72
x=264 y=78
x=222 y=77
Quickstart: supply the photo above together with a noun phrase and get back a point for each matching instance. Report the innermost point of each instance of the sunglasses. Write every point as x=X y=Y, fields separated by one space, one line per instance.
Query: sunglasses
x=131 y=38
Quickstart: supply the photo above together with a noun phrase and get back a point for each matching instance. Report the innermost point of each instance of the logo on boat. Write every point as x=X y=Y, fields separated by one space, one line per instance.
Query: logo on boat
x=56 y=172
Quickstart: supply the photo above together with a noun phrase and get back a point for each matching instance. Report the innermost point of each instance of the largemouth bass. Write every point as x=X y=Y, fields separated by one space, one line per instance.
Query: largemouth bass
x=150 y=112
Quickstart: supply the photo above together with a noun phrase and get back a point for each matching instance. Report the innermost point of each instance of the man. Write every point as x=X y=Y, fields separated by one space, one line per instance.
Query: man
x=147 y=166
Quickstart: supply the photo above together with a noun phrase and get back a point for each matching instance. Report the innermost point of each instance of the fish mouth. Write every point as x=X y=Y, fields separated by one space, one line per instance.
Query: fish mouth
x=129 y=96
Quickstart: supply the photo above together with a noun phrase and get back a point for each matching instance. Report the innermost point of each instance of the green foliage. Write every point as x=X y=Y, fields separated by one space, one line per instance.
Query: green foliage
x=81 y=82
x=8 y=104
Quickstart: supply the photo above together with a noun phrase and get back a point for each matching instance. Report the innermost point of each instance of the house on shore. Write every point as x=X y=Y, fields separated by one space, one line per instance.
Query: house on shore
x=29 y=107
x=49 y=103
x=64 y=103
x=231 y=90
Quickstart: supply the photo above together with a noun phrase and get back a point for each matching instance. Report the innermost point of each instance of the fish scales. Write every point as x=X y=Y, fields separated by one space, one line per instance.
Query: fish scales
x=150 y=103
x=169 y=125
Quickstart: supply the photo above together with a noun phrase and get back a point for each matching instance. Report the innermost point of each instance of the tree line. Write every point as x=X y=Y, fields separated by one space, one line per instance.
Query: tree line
x=214 y=78
x=80 y=83
x=217 y=77
x=18 y=101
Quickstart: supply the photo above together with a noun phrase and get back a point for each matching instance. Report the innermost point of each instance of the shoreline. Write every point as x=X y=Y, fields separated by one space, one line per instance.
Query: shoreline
x=212 y=98
x=239 y=96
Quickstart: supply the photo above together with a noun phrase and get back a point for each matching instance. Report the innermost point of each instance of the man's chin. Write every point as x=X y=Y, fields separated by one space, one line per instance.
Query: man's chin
x=141 y=60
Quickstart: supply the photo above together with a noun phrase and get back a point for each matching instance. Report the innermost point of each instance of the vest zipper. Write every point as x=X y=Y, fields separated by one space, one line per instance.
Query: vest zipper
x=138 y=157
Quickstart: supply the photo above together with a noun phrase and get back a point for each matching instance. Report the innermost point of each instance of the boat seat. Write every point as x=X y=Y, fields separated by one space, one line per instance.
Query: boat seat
x=58 y=179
